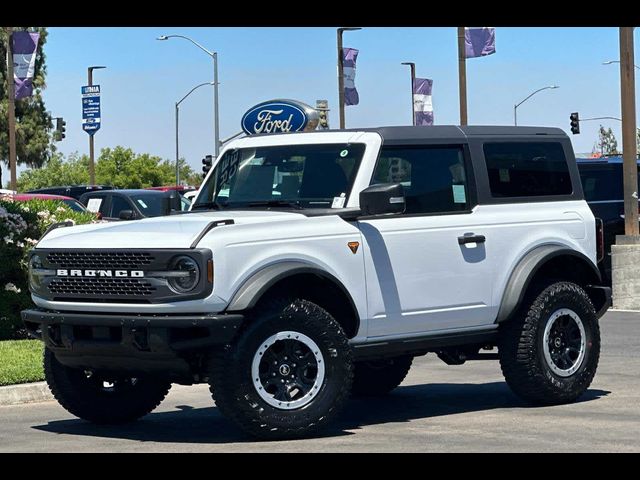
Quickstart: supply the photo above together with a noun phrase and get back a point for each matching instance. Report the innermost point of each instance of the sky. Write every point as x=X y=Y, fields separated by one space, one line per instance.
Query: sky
x=145 y=77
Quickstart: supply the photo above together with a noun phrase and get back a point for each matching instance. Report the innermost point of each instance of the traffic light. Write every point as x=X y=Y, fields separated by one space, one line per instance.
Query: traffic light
x=206 y=165
x=575 y=123
x=60 y=129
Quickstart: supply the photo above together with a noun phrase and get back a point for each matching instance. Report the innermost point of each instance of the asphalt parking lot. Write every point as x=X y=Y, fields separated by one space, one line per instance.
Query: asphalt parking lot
x=438 y=408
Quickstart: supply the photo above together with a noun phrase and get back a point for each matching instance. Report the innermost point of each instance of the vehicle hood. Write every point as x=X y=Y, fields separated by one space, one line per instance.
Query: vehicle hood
x=174 y=231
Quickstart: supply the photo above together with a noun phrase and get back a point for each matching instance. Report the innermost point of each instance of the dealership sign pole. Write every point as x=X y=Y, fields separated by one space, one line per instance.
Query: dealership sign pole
x=91 y=116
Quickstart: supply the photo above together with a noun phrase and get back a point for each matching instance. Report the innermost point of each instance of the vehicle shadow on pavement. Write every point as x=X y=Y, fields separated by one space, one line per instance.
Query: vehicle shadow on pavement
x=207 y=425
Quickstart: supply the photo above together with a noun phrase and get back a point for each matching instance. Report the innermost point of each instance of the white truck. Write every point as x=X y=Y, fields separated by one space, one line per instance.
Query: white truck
x=314 y=266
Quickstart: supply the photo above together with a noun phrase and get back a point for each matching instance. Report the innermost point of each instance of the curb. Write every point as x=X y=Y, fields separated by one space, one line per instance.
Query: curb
x=25 y=393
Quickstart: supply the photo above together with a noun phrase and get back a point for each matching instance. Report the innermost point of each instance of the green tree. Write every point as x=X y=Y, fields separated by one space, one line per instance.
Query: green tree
x=56 y=171
x=33 y=123
x=120 y=167
x=607 y=143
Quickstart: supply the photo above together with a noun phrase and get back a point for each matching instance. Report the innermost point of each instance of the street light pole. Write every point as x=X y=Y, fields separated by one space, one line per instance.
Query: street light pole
x=12 y=112
x=92 y=168
x=177 y=123
x=413 y=88
x=216 y=116
x=515 y=107
x=341 y=72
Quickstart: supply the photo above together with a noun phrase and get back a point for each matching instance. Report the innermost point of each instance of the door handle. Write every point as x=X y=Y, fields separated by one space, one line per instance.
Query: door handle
x=471 y=238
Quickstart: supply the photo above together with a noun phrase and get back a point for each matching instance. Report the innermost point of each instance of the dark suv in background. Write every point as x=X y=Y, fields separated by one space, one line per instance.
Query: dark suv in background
x=134 y=204
x=602 y=184
x=75 y=191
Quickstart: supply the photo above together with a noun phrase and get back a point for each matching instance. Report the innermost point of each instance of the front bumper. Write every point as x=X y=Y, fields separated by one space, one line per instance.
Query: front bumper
x=153 y=344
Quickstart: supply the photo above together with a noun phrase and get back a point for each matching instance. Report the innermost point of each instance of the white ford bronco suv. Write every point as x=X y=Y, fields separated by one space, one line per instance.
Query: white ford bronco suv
x=313 y=266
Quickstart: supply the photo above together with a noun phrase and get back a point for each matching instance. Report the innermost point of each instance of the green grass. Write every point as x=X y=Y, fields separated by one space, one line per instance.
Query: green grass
x=20 y=361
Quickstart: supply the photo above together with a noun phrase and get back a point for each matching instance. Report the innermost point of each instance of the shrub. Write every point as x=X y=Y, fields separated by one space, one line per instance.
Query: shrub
x=21 y=225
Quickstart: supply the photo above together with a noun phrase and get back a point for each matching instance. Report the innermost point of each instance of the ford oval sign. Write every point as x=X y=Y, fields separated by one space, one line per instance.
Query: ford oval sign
x=280 y=116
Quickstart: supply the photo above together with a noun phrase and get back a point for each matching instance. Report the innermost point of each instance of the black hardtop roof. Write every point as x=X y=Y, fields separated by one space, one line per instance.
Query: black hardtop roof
x=444 y=132
x=130 y=191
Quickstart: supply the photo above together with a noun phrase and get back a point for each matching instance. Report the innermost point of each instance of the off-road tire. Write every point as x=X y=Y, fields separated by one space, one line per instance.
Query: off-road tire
x=379 y=377
x=82 y=396
x=521 y=346
x=231 y=380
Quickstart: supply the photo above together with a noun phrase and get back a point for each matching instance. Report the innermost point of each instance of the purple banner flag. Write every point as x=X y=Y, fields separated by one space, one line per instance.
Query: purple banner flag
x=24 y=46
x=349 y=56
x=479 y=41
x=422 y=105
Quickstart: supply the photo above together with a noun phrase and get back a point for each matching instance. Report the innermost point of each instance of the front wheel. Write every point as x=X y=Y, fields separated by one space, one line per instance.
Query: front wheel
x=549 y=353
x=102 y=398
x=287 y=374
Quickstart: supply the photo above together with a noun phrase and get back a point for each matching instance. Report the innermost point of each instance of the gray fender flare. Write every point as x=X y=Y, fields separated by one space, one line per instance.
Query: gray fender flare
x=526 y=269
x=257 y=284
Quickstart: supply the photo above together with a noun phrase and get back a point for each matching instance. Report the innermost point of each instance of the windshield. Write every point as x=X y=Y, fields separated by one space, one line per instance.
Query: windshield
x=151 y=205
x=299 y=176
x=74 y=205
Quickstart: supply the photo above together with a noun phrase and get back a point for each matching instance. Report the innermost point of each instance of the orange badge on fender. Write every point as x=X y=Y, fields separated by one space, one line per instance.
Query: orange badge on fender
x=353 y=246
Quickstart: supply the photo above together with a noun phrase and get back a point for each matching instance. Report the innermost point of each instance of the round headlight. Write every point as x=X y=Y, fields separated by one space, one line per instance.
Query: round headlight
x=189 y=274
x=35 y=280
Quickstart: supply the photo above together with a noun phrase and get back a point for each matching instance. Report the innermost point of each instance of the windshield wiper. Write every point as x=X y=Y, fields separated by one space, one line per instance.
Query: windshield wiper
x=277 y=203
x=207 y=205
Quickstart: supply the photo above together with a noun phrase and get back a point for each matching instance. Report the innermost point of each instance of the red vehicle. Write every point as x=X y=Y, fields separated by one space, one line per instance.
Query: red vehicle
x=72 y=203
x=182 y=189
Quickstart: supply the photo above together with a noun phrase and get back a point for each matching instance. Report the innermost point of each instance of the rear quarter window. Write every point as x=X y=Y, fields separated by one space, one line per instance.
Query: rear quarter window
x=527 y=169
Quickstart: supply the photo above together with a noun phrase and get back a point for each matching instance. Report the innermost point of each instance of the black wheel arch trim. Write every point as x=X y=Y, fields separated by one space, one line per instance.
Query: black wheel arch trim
x=526 y=269
x=261 y=281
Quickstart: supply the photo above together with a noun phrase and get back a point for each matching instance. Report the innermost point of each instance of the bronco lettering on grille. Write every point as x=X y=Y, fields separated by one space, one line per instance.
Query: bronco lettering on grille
x=63 y=272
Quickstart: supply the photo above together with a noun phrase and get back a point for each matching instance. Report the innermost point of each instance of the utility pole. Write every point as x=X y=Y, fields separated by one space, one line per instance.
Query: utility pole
x=462 y=76
x=625 y=254
x=12 y=111
x=340 y=31
x=629 y=154
x=412 y=65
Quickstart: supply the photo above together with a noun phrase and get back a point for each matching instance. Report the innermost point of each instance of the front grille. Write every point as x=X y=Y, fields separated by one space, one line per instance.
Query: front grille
x=93 y=259
x=101 y=286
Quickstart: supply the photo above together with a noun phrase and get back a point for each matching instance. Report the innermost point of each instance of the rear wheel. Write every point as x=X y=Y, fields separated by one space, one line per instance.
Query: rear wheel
x=102 y=398
x=379 y=377
x=549 y=353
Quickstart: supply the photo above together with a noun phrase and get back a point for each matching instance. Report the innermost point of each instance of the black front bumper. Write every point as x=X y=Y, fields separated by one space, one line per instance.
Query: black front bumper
x=155 y=344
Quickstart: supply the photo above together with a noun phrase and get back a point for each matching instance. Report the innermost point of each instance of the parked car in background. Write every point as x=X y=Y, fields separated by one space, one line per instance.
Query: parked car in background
x=75 y=191
x=133 y=204
x=72 y=203
x=602 y=184
x=4 y=191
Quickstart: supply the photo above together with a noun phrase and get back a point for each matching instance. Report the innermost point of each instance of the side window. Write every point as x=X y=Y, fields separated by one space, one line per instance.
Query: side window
x=601 y=182
x=117 y=205
x=527 y=169
x=96 y=204
x=434 y=178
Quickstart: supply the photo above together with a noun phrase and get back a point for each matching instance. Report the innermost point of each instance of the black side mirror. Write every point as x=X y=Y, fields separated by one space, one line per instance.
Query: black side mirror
x=126 y=215
x=386 y=198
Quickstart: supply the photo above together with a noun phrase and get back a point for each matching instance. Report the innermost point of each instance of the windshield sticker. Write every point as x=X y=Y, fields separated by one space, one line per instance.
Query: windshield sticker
x=229 y=166
x=94 y=204
x=504 y=175
x=338 y=202
x=141 y=202
x=344 y=153
x=459 y=195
